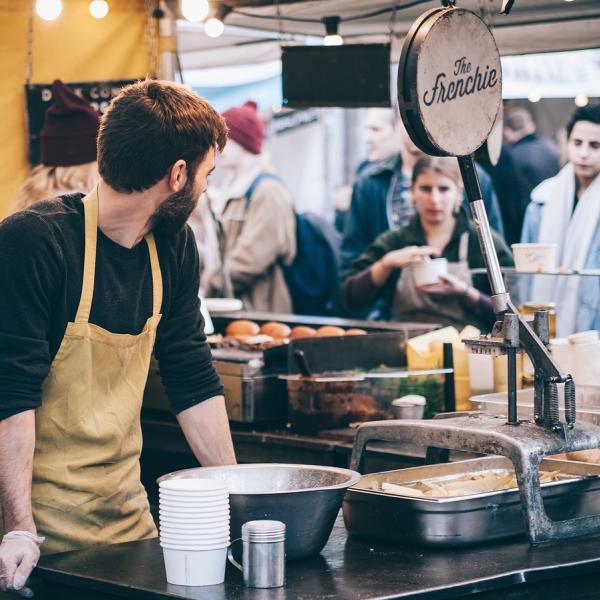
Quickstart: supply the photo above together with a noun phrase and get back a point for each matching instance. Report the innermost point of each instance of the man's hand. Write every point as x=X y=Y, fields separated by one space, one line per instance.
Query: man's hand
x=19 y=553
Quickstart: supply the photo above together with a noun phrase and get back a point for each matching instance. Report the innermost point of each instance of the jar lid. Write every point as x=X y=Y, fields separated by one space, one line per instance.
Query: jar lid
x=583 y=337
x=263 y=531
x=538 y=306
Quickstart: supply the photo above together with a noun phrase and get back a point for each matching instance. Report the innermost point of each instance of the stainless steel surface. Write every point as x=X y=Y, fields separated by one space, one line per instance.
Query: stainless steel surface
x=306 y=498
x=408 y=412
x=251 y=394
x=263 y=563
x=459 y=521
x=488 y=249
x=525 y=445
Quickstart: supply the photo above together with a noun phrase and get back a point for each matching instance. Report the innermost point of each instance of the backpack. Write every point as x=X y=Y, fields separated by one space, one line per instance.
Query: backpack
x=312 y=277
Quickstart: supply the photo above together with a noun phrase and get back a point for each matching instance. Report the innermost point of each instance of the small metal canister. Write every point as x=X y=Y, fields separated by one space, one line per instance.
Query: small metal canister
x=263 y=555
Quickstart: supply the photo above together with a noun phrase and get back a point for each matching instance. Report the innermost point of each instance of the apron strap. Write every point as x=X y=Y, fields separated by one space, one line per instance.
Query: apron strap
x=157 y=284
x=463 y=248
x=90 y=213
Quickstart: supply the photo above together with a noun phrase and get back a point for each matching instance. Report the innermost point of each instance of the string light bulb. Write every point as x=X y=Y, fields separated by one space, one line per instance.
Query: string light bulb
x=99 y=9
x=332 y=37
x=49 y=10
x=195 y=10
x=215 y=25
x=534 y=97
x=581 y=100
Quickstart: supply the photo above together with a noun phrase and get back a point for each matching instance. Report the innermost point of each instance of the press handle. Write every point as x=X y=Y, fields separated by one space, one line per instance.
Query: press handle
x=230 y=558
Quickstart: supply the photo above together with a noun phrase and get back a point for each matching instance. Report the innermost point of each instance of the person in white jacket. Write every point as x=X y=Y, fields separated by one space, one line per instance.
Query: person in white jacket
x=565 y=210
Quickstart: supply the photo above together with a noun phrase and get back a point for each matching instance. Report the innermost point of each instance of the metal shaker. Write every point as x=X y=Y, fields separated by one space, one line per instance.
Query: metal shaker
x=263 y=554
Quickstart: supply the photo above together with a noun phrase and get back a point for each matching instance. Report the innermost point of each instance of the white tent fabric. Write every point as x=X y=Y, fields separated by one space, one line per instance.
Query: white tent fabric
x=254 y=33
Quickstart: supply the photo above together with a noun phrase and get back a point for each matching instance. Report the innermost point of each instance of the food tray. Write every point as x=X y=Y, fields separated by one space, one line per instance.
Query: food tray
x=464 y=520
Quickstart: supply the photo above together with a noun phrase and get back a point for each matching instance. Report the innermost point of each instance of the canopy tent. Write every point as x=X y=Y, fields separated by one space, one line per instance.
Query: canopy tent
x=255 y=29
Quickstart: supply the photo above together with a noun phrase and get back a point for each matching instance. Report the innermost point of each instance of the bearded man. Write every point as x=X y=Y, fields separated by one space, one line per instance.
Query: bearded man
x=91 y=287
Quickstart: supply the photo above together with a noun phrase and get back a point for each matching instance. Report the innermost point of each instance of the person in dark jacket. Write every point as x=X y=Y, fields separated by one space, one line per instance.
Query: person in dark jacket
x=536 y=158
x=440 y=227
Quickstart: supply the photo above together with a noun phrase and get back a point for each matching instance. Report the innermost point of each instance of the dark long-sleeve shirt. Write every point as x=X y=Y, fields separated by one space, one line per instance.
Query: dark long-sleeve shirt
x=41 y=271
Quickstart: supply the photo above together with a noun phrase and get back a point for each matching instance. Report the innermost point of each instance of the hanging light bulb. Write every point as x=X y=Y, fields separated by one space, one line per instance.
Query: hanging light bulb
x=332 y=37
x=214 y=27
x=98 y=9
x=534 y=97
x=48 y=9
x=194 y=10
x=581 y=100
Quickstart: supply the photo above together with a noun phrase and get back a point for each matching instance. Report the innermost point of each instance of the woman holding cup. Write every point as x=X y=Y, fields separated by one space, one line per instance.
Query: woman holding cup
x=421 y=272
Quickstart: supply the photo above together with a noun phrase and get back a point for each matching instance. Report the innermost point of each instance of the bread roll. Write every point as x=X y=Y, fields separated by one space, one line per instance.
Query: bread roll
x=329 y=331
x=302 y=332
x=356 y=332
x=276 y=330
x=242 y=329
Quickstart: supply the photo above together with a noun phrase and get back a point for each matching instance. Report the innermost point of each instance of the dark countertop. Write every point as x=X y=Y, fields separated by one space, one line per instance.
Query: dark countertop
x=348 y=569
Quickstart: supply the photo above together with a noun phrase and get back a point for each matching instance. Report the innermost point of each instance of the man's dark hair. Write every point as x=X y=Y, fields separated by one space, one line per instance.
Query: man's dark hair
x=590 y=112
x=518 y=119
x=148 y=127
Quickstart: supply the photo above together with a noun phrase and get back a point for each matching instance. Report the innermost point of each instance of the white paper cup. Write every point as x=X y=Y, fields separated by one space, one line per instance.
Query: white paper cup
x=196 y=504
x=534 y=257
x=430 y=271
x=195 y=542
x=207 y=527
x=193 y=492
x=186 y=514
x=195 y=567
x=209 y=531
x=194 y=497
x=195 y=545
x=196 y=521
x=193 y=485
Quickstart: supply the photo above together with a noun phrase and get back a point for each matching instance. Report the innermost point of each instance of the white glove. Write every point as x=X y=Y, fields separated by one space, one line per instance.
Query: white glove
x=19 y=553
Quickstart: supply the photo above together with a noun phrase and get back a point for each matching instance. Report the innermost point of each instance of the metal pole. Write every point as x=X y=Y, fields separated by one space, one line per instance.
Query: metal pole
x=484 y=233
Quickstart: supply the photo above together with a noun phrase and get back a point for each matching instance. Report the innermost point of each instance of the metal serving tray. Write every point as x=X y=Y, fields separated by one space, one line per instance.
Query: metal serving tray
x=463 y=520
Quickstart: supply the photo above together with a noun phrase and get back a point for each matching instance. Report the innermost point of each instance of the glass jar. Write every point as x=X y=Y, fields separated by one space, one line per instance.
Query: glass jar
x=528 y=310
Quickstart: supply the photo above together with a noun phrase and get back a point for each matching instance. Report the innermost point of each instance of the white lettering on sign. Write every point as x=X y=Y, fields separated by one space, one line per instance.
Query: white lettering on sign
x=463 y=83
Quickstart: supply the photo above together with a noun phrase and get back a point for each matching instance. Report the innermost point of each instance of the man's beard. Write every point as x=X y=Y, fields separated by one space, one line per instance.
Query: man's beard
x=173 y=213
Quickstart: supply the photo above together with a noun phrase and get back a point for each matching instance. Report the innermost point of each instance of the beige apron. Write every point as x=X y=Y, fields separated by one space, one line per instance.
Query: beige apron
x=86 y=472
x=411 y=305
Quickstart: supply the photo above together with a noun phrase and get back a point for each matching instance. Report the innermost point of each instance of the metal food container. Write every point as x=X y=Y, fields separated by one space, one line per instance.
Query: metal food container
x=587 y=397
x=252 y=394
x=463 y=520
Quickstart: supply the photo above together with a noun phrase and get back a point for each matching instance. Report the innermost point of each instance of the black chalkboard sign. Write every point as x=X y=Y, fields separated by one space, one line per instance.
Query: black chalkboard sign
x=38 y=98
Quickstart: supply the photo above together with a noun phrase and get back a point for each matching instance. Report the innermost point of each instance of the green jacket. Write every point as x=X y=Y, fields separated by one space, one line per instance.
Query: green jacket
x=413 y=235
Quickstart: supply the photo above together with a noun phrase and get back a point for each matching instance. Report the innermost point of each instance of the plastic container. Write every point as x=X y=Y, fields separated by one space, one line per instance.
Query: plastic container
x=409 y=407
x=588 y=403
x=534 y=257
x=585 y=357
x=430 y=271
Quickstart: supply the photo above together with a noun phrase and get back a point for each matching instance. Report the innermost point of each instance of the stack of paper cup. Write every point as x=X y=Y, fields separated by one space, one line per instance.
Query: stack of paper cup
x=194 y=530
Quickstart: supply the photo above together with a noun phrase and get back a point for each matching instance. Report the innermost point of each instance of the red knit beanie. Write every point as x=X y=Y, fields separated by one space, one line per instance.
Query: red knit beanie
x=70 y=129
x=246 y=127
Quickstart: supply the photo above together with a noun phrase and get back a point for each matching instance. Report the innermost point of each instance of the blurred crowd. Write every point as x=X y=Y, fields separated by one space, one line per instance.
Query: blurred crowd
x=402 y=210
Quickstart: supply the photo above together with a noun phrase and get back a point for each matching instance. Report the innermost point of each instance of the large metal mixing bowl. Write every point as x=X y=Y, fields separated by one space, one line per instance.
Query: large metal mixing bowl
x=306 y=498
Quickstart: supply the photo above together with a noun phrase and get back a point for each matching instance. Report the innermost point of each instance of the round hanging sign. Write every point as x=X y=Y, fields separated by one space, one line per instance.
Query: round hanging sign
x=449 y=82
